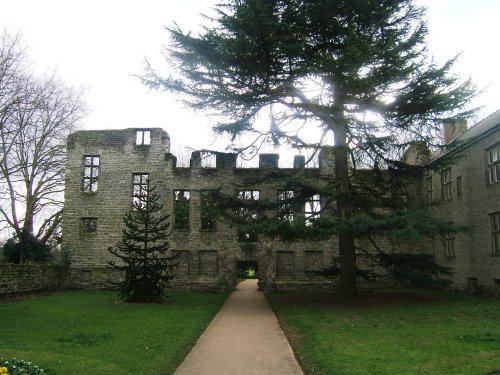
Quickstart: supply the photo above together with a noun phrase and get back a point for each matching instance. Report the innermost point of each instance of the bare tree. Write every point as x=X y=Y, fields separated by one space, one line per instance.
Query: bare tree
x=36 y=115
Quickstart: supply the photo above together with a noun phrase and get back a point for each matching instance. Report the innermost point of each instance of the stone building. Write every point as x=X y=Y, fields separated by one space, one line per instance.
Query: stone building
x=105 y=169
x=467 y=193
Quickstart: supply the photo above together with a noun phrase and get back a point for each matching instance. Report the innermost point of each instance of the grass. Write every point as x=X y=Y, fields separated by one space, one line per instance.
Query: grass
x=90 y=333
x=392 y=333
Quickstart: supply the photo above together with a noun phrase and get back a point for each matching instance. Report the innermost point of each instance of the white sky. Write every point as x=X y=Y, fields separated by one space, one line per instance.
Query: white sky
x=99 y=44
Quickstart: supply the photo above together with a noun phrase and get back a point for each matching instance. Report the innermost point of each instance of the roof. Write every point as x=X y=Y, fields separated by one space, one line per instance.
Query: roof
x=481 y=127
x=471 y=135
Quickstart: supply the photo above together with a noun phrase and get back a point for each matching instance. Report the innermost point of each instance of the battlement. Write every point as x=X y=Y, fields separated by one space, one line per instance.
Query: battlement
x=156 y=141
x=107 y=169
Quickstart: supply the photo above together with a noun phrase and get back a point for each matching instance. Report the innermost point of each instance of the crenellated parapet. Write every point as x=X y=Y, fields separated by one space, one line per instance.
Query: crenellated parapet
x=106 y=169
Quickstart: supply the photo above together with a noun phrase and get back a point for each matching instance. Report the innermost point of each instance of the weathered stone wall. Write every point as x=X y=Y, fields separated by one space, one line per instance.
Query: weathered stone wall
x=209 y=257
x=25 y=278
x=476 y=266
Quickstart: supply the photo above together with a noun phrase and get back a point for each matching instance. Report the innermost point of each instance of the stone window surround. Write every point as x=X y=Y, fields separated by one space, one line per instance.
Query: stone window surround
x=88 y=225
x=446 y=184
x=428 y=187
x=142 y=137
x=248 y=195
x=493 y=164
x=181 y=196
x=90 y=180
x=139 y=184
x=449 y=245
x=286 y=210
x=207 y=213
x=312 y=209
x=495 y=232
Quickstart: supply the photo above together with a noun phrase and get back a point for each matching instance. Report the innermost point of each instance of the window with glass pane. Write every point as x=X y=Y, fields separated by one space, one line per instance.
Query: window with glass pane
x=428 y=186
x=495 y=232
x=449 y=244
x=90 y=173
x=139 y=189
x=494 y=164
x=446 y=192
x=181 y=209
x=208 y=210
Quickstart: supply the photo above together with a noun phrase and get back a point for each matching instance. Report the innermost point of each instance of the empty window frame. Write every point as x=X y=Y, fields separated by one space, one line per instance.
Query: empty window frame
x=449 y=245
x=495 y=232
x=142 y=137
x=181 y=209
x=446 y=192
x=89 y=224
x=287 y=205
x=428 y=189
x=312 y=208
x=248 y=215
x=90 y=173
x=139 y=189
x=493 y=155
x=208 y=210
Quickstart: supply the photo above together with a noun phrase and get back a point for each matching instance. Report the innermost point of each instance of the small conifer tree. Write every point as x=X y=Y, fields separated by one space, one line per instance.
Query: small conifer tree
x=143 y=251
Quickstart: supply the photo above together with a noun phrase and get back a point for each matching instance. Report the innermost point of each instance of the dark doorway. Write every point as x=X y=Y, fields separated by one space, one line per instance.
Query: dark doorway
x=247 y=269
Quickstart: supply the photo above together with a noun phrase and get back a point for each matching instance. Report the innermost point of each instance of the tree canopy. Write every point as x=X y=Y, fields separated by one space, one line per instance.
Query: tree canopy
x=355 y=74
x=36 y=116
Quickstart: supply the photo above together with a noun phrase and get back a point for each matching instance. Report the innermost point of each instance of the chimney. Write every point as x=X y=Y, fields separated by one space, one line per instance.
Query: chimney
x=453 y=128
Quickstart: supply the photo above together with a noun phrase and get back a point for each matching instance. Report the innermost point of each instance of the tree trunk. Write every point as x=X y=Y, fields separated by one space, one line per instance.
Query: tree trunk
x=347 y=250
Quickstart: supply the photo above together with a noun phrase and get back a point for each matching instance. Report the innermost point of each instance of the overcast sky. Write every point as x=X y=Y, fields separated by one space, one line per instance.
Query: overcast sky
x=100 y=44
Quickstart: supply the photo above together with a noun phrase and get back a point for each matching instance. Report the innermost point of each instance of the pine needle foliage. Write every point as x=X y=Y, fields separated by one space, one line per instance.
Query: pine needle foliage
x=356 y=73
x=143 y=251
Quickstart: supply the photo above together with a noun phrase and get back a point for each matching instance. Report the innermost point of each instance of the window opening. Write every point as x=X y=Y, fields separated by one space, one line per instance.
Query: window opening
x=142 y=137
x=139 y=190
x=428 y=186
x=312 y=208
x=495 y=232
x=287 y=205
x=89 y=224
x=449 y=245
x=494 y=164
x=181 y=209
x=446 y=192
x=90 y=173
x=208 y=210
x=248 y=215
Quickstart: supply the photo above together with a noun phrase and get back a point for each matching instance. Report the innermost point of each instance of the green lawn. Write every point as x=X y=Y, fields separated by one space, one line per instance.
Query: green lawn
x=391 y=333
x=89 y=333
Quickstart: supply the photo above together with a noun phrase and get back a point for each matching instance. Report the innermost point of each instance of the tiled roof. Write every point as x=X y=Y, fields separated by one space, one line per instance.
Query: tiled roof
x=474 y=131
x=481 y=127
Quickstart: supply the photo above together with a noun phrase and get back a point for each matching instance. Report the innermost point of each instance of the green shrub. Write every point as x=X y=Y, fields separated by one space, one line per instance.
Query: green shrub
x=19 y=367
x=24 y=248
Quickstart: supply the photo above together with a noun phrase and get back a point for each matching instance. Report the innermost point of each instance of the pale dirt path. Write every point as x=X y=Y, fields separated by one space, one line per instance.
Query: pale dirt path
x=244 y=338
